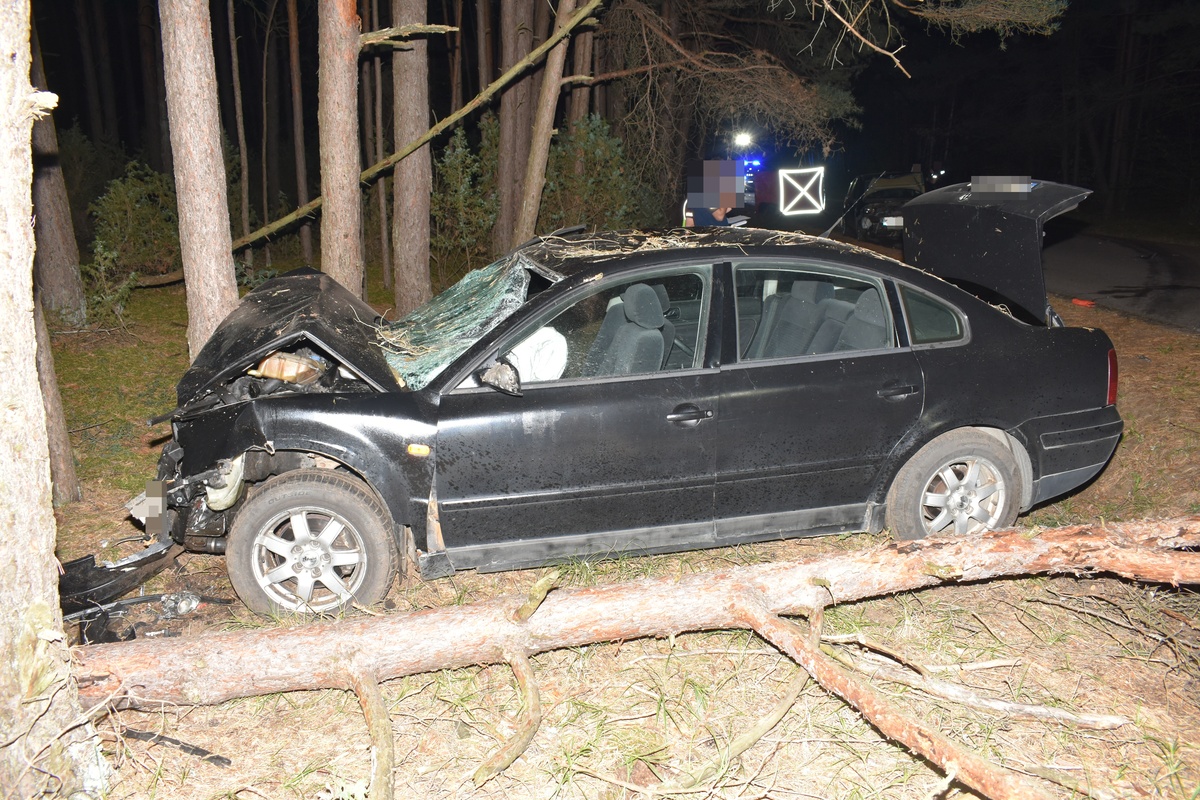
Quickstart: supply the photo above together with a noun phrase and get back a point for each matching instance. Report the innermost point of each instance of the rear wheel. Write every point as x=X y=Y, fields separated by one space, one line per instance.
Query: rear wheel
x=964 y=482
x=311 y=542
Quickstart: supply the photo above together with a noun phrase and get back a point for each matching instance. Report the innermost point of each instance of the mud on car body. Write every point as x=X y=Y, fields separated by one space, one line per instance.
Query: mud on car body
x=625 y=392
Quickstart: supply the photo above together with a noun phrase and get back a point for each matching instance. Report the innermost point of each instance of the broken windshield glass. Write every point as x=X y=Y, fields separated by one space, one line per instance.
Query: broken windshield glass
x=423 y=343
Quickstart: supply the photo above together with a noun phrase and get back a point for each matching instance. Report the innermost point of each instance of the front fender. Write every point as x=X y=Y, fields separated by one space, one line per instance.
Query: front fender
x=368 y=433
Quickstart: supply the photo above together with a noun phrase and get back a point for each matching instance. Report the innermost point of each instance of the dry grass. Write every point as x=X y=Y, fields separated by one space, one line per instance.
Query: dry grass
x=623 y=716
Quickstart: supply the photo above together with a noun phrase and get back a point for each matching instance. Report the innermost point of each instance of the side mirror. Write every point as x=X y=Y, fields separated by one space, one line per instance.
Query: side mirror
x=503 y=377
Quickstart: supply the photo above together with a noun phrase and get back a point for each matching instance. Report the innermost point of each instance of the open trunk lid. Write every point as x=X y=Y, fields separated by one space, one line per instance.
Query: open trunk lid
x=986 y=237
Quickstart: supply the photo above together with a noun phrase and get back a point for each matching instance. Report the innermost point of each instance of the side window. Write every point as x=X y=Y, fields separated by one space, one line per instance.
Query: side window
x=639 y=326
x=789 y=312
x=930 y=320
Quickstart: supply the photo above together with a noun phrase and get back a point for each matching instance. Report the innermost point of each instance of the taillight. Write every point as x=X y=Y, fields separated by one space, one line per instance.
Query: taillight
x=1112 y=377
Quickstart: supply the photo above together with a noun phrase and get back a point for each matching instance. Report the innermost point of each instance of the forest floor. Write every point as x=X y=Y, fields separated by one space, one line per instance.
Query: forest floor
x=619 y=718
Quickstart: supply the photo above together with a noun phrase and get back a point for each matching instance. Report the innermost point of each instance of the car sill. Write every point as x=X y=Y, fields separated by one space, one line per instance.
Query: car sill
x=526 y=553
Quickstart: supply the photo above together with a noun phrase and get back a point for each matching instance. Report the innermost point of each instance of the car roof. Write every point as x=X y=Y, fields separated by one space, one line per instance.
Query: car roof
x=587 y=252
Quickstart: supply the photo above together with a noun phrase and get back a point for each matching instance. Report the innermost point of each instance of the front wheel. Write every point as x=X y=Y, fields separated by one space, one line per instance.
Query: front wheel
x=311 y=542
x=964 y=482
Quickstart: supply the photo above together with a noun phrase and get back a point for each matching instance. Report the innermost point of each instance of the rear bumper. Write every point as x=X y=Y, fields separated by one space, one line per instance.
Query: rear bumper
x=1068 y=450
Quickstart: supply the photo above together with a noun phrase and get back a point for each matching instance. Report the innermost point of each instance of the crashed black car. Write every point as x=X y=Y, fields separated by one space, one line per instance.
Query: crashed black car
x=590 y=394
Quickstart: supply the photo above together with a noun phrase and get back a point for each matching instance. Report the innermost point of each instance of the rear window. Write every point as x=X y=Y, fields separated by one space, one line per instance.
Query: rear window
x=930 y=321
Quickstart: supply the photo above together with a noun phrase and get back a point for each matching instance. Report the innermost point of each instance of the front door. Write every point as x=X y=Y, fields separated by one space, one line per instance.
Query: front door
x=609 y=446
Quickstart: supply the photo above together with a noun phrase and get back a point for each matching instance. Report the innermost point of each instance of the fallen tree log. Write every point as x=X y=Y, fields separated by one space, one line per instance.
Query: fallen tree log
x=217 y=667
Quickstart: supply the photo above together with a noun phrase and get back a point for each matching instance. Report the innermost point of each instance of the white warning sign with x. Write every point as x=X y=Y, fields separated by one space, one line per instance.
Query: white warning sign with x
x=802 y=191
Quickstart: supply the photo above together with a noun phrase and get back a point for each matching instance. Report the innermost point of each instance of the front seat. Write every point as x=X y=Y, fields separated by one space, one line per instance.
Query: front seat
x=637 y=344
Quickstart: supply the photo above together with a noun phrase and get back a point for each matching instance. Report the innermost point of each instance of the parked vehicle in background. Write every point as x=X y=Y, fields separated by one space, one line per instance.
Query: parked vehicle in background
x=873 y=203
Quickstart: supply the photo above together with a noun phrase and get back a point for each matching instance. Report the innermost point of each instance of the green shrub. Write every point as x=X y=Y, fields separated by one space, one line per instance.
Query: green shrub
x=588 y=182
x=464 y=204
x=136 y=220
x=106 y=286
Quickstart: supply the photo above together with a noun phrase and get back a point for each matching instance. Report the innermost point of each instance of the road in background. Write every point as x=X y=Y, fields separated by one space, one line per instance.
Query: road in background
x=1157 y=282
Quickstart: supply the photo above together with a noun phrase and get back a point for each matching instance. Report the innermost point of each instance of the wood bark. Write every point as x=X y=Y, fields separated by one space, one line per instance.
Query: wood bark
x=37 y=693
x=301 y=159
x=152 y=89
x=337 y=123
x=204 y=239
x=516 y=119
x=64 y=480
x=105 y=62
x=218 y=667
x=91 y=70
x=381 y=188
x=239 y=121
x=56 y=261
x=543 y=130
x=485 y=60
x=271 y=100
x=413 y=179
x=581 y=65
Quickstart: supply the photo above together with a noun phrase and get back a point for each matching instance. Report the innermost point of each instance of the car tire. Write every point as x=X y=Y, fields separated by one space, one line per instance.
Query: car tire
x=346 y=555
x=964 y=482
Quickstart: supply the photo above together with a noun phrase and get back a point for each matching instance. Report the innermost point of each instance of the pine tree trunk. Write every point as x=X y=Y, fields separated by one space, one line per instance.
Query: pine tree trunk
x=56 y=262
x=306 y=247
x=271 y=101
x=148 y=50
x=337 y=120
x=240 y=124
x=218 y=667
x=543 y=130
x=64 y=480
x=91 y=70
x=516 y=119
x=456 y=57
x=483 y=44
x=38 y=700
x=381 y=186
x=412 y=180
x=204 y=239
x=582 y=65
x=104 y=60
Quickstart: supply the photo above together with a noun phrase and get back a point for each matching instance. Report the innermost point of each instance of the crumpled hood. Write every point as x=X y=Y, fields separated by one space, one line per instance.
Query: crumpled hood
x=988 y=242
x=303 y=304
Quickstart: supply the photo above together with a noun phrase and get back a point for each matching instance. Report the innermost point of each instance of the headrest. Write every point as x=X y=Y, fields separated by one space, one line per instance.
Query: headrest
x=812 y=291
x=642 y=306
x=663 y=299
x=869 y=309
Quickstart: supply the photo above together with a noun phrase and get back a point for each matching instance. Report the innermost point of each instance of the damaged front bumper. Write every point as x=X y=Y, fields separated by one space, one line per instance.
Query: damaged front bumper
x=84 y=584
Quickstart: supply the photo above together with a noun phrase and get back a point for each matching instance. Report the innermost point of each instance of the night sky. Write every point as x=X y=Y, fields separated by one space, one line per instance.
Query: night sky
x=1109 y=102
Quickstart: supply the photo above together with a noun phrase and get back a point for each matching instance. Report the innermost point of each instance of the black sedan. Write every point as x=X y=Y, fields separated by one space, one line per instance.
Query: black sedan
x=590 y=394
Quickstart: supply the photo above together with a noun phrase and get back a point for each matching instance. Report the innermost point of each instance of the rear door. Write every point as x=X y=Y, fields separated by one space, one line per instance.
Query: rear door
x=806 y=422
x=582 y=461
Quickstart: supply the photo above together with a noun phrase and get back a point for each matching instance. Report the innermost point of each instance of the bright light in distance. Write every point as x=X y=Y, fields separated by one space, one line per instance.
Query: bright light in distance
x=742 y=139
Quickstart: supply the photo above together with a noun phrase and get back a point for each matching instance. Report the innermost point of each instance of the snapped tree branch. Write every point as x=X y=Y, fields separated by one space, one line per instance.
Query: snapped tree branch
x=222 y=666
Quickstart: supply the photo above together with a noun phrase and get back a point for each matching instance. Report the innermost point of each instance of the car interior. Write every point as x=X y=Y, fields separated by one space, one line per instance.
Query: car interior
x=783 y=314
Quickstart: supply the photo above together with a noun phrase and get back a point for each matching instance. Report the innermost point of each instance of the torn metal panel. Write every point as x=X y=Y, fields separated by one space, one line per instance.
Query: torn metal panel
x=85 y=584
x=302 y=305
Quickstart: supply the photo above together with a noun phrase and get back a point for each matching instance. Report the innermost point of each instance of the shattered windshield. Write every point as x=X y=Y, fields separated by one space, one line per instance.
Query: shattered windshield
x=419 y=346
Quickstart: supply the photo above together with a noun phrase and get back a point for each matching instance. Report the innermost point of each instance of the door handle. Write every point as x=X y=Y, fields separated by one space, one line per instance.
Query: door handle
x=688 y=415
x=897 y=392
